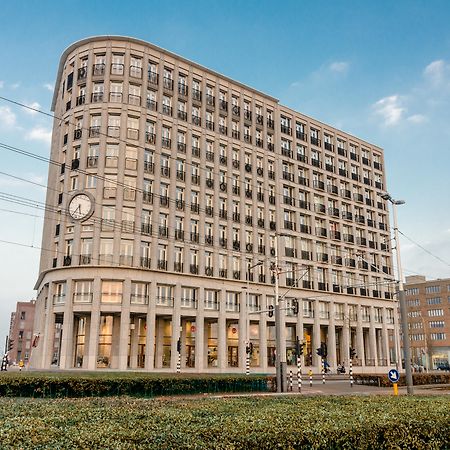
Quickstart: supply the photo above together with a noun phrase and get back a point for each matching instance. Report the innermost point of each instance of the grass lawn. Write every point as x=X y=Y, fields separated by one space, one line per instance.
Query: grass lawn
x=220 y=423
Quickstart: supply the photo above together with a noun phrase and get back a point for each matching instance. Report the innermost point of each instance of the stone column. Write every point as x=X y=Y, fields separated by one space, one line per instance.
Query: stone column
x=94 y=326
x=263 y=336
x=124 y=329
x=316 y=335
x=151 y=330
x=243 y=324
x=331 y=345
x=176 y=322
x=134 y=347
x=49 y=331
x=360 y=339
x=65 y=360
x=385 y=338
x=372 y=337
x=200 y=354
x=222 y=334
x=345 y=346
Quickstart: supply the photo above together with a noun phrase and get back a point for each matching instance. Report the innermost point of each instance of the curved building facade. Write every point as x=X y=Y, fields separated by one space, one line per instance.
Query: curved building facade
x=173 y=189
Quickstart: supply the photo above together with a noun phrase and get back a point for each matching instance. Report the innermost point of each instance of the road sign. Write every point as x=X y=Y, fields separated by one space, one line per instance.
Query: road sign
x=393 y=376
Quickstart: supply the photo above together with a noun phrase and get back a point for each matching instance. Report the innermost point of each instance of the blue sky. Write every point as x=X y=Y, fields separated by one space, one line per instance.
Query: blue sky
x=379 y=70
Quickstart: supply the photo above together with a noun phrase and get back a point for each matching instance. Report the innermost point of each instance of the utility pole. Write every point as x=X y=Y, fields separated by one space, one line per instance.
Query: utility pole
x=281 y=365
x=401 y=298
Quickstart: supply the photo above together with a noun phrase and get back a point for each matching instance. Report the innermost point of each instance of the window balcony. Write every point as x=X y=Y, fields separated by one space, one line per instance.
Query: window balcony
x=164 y=301
x=209 y=239
x=321 y=232
x=134 y=99
x=153 y=78
x=285 y=129
x=152 y=105
x=168 y=83
x=147 y=197
x=92 y=162
x=167 y=110
x=353 y=156
x=247 y=115
x=139 y=299
x=166 y=142
x=270 y=146
x=347 y=215
x=182 y=89
x=163 y=231
x=85 y=259
x=146 y=228
x=288 y=200
x=98 y=70
x=342 y=151
x=223 y=242
x=178 y=267
x=333 y=212
x=319 y=208
x=210 y=100
x=81 y=99
x=209 y=125
x=336 y=260
x=272 y=225
x=335 y=235
x=305 y=228
x=150 y=138
x=270 y=123
x=322 y=257
x=365 y=161
x=315 y=141
x=164 y=200
x=126 y=260
x=329 y=146
x=302 y=136
x=223 y=273
x=59 y=299
x=179 y=235
x=236 y=110
x=162 y=264
x=135 y=71
x=329 y=167
x=303 y=204
x=83 y=297
x=196 y=95
x=236 y=217
x=343 y=172
x=195 y=237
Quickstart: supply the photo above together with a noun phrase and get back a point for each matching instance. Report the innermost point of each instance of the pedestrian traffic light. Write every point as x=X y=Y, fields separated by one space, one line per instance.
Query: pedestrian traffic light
x=323 y=347
x=319 y=351
x=249 y=348
x=298 y=347
x=10 y=344
x=352 y=353
x=270 y=310
x=179 y=345
x=295 y=306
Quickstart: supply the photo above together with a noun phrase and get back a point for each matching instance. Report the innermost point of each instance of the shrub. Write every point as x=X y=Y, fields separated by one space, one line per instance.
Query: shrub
x=79 y=385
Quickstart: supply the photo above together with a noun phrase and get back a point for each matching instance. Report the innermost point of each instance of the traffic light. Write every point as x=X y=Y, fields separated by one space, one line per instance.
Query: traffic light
x=10 y=344
x=295 y=306
x=179 y=345
x=323 y=347
x=298 y=347
x=270 y=310
x=352 y=353
x=319 y=351
x=249 y=348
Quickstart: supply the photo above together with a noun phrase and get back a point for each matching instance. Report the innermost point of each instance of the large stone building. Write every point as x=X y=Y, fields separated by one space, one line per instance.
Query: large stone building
x=21 y=336
x=172 y=188
x=428 y=305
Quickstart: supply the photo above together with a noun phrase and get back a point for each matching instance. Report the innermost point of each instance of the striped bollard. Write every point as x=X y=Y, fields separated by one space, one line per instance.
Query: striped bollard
x=323 y=371
x=310 y=378
x=290 y=380
x=299 y=374
x=179 y=363
x=247 y=364
x=350 y=369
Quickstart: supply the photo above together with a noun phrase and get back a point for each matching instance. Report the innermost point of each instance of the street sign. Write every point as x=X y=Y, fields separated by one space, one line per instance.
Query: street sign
x=393 y=376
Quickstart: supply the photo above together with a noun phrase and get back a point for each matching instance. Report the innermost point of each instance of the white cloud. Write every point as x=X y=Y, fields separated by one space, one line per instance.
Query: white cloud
x=435 y=70
x=417 y=118
x=390 y=109
x=7 y=117
x=15 y=85
x=2 y=83
x=48 y=86
x=40 y=134
x=339 y=67
x=34 y=105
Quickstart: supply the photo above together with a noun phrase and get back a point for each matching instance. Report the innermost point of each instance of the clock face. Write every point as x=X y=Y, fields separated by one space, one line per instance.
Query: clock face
x=80 y=207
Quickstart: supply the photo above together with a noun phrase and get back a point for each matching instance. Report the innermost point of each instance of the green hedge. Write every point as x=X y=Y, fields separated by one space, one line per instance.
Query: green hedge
x=375 y=422
x=418 y=379
x=47 y=385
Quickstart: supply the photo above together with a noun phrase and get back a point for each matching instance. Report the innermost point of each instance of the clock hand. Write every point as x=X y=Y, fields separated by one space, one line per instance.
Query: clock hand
x=78 y=209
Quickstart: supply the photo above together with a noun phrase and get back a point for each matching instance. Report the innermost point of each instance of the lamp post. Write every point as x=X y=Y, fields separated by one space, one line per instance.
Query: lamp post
x=247 y=326
x=281 y=365
x=401 y=297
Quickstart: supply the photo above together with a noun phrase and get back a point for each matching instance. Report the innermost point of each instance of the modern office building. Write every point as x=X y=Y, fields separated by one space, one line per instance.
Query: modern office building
x=21 y=336
x=428 y=305
x=172 y=191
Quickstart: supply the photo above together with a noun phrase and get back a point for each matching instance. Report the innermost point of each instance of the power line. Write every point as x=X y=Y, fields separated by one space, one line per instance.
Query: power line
x=424 y=249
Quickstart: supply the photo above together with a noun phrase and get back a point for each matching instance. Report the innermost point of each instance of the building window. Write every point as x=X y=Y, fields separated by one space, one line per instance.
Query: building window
x=111 y=292
x=432 y=289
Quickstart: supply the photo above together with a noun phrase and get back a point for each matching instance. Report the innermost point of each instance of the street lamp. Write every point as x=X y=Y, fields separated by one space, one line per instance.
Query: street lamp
x=401 y=296
x=247 y=326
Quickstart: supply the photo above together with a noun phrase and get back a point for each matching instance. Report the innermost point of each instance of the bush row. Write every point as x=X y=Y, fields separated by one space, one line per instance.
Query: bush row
x=418 y=379
x=138 y=386
x=376 y=422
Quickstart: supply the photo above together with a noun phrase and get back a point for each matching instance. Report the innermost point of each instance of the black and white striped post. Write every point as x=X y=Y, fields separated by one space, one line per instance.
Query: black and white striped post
x=290 y=381
x=310 y=377
x=350 y=369
x=247 y=362
x=299 y=373
x=323 y=371
x=179 y=356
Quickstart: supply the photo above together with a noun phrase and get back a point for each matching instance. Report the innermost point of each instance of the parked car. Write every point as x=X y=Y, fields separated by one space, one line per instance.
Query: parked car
x=443 y=366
